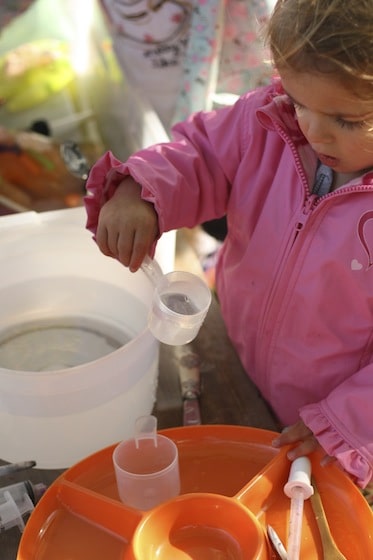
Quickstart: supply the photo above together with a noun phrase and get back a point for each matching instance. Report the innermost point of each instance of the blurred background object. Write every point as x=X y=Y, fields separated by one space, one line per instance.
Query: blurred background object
x=60 y=81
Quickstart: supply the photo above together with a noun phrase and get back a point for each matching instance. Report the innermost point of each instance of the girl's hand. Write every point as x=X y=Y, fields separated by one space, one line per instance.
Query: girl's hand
x=303 y=439
x=127 y=225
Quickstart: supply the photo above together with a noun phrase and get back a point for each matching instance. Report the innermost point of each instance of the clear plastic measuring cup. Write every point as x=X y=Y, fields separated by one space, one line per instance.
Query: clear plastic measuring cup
x=180 y=304
x=146 y=467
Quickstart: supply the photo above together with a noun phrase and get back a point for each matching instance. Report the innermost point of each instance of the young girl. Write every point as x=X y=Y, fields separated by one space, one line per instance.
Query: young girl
x=292 y=166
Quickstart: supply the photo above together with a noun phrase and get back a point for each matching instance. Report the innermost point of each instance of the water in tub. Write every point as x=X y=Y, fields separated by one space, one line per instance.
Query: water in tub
x=58 y=343
x=52 y=343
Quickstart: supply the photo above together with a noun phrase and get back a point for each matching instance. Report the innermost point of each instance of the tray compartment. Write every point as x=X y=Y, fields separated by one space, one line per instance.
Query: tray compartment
x=78 y=524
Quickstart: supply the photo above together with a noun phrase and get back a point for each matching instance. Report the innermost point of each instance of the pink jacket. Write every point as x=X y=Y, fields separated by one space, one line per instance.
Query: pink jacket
x=295 y=275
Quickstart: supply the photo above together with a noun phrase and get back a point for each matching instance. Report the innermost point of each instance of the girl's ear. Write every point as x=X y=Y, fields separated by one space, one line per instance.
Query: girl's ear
x=277 y=83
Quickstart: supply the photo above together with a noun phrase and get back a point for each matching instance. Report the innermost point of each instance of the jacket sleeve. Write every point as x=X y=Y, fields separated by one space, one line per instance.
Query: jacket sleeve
x=188 y=179
x=343 y=424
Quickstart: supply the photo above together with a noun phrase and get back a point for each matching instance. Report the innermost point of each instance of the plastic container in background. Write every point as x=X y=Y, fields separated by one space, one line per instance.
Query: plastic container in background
x=78 y=363
x=17 y=501
x=99 y=106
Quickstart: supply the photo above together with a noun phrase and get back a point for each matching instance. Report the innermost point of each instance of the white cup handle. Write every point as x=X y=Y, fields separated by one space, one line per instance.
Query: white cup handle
x=146 y=428
x=152 y=269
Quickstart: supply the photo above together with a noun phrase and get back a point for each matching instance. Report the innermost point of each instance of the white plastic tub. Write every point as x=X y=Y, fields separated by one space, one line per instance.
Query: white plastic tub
x=78 y=364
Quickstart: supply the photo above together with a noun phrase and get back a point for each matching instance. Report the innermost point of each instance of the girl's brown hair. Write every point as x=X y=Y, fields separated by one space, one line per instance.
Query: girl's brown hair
x=325 y=36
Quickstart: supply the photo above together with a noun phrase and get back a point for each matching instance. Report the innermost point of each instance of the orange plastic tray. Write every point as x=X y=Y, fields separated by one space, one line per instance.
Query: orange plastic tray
x=80 y=517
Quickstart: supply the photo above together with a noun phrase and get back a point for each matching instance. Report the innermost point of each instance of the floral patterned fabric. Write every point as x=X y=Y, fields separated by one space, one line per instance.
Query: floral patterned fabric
x=225 y=52
x=220 y=44
x=181 y=53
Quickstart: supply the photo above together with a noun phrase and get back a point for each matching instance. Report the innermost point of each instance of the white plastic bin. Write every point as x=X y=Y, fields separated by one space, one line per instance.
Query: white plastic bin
x=56 y=286
x=55 y=280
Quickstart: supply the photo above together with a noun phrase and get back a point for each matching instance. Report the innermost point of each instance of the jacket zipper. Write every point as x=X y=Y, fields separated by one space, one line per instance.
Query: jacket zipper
x=265 y=332
x=306 y=211
x=275 y=295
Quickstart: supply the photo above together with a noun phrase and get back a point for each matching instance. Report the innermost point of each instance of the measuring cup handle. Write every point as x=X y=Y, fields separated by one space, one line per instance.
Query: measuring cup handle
x=146 y=428
x=151 y=269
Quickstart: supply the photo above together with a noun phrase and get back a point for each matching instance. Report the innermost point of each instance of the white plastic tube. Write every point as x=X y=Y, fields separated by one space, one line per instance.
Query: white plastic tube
x=298 y=488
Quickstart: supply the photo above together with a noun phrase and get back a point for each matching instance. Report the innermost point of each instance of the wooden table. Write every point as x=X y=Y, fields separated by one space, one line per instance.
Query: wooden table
x=228 y=396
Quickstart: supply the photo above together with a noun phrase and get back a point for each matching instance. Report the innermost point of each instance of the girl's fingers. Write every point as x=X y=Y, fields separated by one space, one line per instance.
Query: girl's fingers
x=292 y=434
x=305 y=447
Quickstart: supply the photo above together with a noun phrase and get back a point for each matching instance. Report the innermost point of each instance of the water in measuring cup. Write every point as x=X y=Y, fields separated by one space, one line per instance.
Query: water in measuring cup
x=179 y=303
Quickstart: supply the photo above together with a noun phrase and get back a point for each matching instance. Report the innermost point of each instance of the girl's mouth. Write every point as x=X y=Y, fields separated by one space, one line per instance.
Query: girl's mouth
x=328 y=160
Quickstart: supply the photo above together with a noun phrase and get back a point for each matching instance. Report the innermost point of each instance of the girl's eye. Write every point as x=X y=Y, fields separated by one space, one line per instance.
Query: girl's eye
x=350 y=125
x=342 y=123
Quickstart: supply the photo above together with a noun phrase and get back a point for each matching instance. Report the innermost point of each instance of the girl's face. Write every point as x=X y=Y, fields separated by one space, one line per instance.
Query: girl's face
x=334 y=121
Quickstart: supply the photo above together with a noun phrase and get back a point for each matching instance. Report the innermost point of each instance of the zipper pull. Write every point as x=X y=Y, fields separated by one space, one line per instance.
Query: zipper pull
x=309 y=203
x=306 y=210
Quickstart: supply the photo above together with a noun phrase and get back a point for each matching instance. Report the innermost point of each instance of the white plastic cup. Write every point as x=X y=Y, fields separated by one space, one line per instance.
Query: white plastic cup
x=146 y=467
x=180 y=303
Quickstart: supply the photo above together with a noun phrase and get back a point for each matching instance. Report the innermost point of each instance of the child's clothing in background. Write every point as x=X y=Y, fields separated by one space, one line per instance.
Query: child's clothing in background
x=181 y=53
